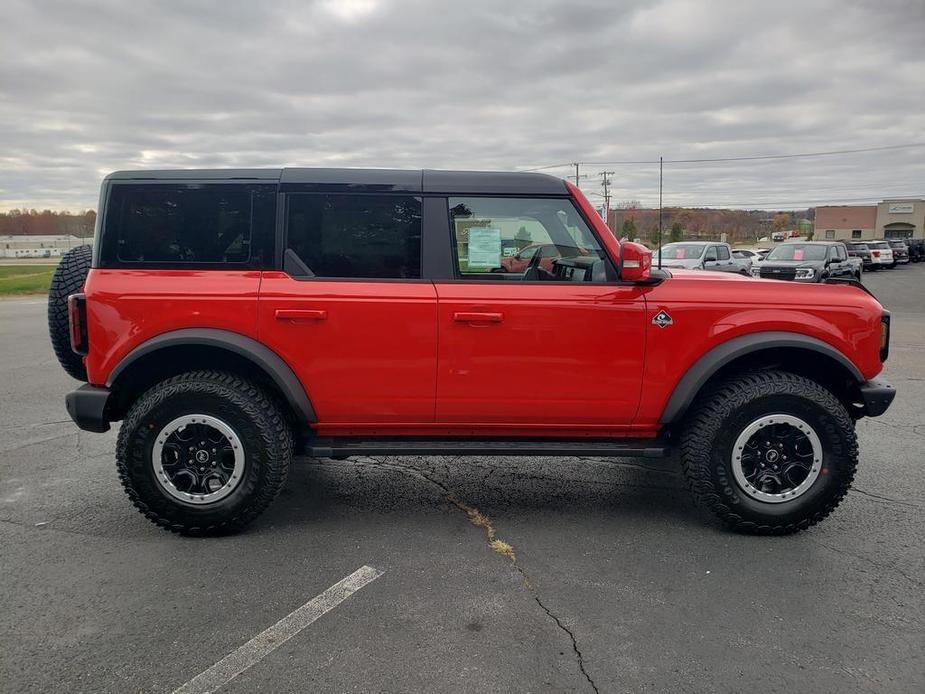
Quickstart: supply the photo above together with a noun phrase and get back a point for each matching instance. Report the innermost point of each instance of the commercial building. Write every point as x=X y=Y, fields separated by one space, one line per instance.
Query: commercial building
x=39 y=246
x=901 y=218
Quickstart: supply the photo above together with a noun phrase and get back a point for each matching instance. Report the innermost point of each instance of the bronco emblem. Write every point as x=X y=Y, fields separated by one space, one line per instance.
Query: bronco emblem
x=662 y=319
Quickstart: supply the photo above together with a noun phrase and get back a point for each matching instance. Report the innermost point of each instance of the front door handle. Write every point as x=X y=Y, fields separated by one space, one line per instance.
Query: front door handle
x=477 y=317
x=300 y=315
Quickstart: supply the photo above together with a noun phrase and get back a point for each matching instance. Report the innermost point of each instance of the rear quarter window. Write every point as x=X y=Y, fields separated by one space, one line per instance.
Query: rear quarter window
x=195 y=225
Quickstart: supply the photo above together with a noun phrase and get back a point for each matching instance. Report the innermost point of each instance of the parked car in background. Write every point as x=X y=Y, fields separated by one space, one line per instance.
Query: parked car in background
x=763 y=253
x=744 y=259
x=808 y=261
x=859 y=250
x=916 y=250
x=900 y=251
x=700 y=255
x=881 y=254
x=748 y=252
x=520 y=261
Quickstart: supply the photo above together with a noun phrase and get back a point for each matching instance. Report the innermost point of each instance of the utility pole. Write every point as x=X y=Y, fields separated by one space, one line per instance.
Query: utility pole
x=605 y=182
x=577 y=177
x=659 y=213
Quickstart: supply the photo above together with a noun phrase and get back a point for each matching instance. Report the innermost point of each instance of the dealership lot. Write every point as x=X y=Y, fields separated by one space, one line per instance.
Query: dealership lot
x=616 y=582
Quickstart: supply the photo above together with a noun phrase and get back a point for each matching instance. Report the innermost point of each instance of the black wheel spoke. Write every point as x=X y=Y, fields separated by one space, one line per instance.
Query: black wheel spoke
x=198 y=459
x=777 y=457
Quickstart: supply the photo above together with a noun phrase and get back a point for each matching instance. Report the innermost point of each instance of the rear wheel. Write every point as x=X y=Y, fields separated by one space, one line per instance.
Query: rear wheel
x=769 y=452
x=204 y=453
x=68 y=279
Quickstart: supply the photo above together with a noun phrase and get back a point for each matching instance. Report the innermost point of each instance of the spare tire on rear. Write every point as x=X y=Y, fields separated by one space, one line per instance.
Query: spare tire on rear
x=68 y=279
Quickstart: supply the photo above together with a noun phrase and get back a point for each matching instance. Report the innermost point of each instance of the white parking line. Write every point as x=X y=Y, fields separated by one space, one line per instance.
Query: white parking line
x=272 y=638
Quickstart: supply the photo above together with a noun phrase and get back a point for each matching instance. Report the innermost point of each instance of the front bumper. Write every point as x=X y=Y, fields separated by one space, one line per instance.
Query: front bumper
x=87 y=407
x=877 y=396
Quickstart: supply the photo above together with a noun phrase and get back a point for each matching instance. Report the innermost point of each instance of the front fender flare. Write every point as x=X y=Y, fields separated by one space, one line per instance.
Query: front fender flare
x=708 y=364
x=259 y=354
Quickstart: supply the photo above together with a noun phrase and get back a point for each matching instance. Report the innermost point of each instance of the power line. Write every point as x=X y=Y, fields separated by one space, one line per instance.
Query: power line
x=762 y=157
x=774 y=204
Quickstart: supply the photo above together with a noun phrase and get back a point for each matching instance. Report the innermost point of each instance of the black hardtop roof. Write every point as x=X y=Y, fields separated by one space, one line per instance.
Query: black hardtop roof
x=368 y=180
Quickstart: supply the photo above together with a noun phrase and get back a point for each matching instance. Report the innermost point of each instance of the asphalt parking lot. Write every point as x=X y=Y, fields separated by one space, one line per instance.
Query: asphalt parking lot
x=617 y=584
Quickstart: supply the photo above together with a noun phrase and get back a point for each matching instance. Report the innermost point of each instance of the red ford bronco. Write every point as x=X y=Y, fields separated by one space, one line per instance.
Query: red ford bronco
x=229 y=318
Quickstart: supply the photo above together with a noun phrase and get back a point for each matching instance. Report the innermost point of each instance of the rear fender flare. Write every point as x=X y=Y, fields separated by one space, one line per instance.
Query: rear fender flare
x=255 y=352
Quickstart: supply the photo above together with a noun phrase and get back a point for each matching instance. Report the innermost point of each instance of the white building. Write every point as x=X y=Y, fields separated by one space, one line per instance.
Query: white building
x=28 y=246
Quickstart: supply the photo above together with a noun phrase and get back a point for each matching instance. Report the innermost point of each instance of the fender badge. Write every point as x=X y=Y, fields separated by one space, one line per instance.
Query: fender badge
x=662 y=319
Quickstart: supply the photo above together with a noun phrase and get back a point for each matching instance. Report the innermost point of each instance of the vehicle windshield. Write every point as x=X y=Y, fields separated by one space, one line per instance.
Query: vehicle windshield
x=682 y=251
x=797 y=251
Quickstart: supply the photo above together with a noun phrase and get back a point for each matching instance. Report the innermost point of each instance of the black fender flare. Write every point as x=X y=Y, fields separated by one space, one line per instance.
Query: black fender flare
x=708 y=364
x=259 y=354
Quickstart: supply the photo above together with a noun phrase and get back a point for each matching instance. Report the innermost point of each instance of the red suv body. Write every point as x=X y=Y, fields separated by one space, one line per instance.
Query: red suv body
x=368 y=308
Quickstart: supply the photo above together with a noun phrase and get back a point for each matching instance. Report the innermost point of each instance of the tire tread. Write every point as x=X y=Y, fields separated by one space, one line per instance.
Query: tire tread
x=706 y=418
x=276 y=443
x=68 y=278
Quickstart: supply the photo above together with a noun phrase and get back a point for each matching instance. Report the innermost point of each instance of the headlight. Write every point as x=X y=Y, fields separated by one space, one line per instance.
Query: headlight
x=756 y=272
x=805 y=273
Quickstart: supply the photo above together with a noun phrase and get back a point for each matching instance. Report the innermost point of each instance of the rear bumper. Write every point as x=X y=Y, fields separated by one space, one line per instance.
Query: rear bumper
x=877 y=396
x=87 y=407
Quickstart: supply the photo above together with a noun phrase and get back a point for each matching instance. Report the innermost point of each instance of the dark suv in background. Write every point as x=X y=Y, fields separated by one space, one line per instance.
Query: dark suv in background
x=900 y=251
x=916 y=250
x=860 y=250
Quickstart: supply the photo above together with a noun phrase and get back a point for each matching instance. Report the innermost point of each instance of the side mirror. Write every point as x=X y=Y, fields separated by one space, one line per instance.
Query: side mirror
x=635 y=262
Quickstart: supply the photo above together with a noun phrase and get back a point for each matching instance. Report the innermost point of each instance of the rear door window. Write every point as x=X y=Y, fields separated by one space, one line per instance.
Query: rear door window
x=196 y=225
x=354 y=236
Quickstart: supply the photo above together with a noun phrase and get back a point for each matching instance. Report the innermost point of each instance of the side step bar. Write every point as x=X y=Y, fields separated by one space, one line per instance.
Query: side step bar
x=342 y=448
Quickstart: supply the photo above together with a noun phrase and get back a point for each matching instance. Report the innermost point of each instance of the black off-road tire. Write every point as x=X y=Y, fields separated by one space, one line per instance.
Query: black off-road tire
x=260 y=424
x=68 y=279
x=718 y=417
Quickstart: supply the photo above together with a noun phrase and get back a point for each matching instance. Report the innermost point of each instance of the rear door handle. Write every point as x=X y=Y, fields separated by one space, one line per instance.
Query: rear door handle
x=477 y=317
x=300 y=315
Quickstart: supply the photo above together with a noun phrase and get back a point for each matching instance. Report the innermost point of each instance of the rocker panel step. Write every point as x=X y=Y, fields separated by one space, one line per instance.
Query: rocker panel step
x=337 y=448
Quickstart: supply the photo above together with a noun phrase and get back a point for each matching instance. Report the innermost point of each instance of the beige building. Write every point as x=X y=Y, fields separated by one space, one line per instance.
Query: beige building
x=901 y=218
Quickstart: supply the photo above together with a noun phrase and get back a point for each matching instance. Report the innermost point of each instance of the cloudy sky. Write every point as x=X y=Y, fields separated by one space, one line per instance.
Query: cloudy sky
x=90 y=87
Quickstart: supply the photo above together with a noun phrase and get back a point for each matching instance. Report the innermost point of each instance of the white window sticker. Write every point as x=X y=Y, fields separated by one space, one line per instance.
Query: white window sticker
x=484 y=247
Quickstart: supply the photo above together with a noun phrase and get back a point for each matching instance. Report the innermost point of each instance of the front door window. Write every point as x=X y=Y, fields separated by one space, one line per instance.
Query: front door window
x=525 y=240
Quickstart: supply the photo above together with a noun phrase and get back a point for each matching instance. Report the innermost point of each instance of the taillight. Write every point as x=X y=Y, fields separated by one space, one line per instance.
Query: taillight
x=77 y=321
x=876 y=254
x=884 y=336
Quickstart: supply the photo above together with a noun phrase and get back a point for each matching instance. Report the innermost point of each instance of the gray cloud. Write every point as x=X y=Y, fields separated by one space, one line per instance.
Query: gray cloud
x=90 y=87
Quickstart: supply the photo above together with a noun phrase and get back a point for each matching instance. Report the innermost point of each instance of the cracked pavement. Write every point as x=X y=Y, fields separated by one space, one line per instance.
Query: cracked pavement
x=613 y=581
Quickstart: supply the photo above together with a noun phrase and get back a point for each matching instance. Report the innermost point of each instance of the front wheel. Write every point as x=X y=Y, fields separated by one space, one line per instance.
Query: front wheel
x=204 y=452
x=769 y=452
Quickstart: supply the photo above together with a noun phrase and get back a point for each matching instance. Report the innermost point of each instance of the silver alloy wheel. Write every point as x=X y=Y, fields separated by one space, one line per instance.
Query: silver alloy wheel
x=776 y=458
x=198 y=459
